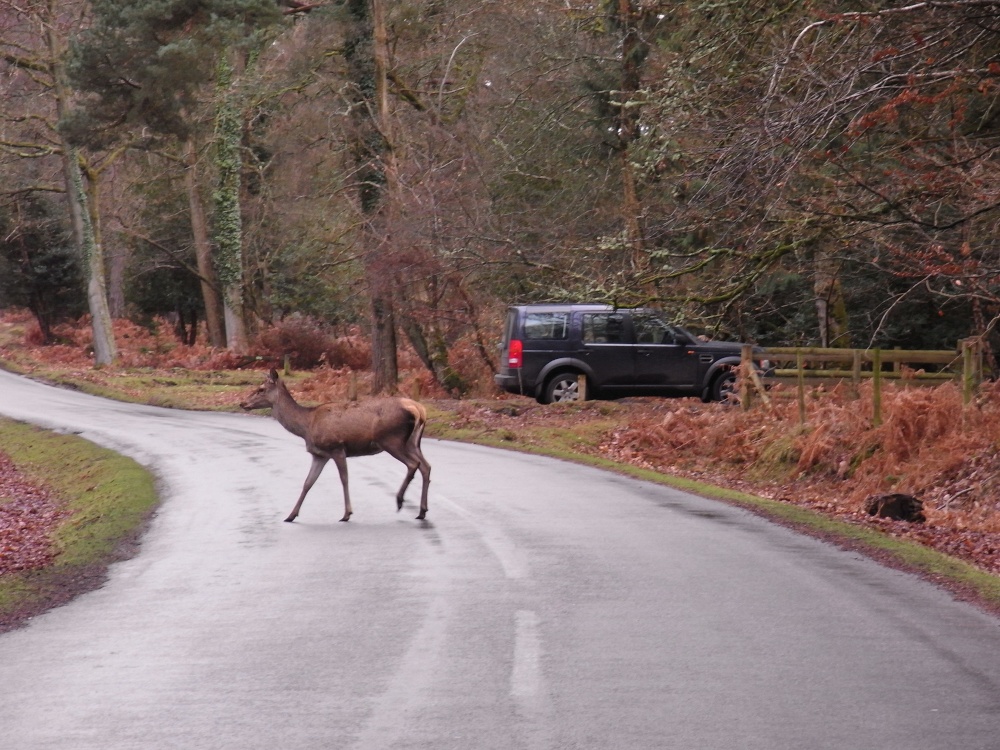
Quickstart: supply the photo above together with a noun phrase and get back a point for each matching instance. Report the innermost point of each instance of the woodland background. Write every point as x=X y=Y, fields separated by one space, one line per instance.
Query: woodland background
x=799 y=172
x=191 y=189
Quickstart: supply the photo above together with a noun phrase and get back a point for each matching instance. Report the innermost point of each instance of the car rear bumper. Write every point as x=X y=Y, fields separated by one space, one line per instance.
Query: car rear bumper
x=511 y=383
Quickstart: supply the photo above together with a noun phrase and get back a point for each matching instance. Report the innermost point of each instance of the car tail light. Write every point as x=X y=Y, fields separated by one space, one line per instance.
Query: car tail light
x=515 y=353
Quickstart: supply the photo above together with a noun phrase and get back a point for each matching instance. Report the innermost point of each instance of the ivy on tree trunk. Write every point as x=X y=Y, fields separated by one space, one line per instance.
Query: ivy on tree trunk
x=203 y=250
x=228 y=212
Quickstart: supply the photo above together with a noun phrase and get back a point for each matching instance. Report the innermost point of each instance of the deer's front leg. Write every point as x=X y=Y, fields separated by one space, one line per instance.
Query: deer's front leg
x=340 y=458
x=315 y=470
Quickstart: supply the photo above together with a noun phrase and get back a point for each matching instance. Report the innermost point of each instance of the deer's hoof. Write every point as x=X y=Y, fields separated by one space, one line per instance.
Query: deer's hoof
x=422 y=515
x=346 y=518
x=289 y=519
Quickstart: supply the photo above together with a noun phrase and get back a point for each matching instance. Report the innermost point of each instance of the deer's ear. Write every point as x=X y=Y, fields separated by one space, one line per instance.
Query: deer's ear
x=273 y=375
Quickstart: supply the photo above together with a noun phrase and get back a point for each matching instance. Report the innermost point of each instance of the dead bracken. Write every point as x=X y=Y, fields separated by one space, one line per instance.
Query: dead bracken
x=28 y=515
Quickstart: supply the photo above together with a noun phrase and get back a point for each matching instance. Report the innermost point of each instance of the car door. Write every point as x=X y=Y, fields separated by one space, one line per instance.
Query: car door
x=664 y=357
x=607 y=348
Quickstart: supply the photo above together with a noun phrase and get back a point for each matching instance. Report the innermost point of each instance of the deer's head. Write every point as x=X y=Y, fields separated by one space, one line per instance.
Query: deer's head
x=264 y=395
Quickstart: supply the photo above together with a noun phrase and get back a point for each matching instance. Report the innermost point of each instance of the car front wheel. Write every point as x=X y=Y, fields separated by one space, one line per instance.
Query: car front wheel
x=562 y=387
x=724 y=387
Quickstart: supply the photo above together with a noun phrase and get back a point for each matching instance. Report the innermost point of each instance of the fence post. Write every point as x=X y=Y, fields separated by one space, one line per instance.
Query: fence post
x=876 y=387
x=856 y=372
x=801 y=389
x=971 y=368
x=746 y=367
x=581 y=387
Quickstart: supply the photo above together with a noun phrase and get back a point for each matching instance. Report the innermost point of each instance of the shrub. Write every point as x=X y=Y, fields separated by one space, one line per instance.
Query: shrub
x=353 y=351
x=303 y=340
x=33 y=335
x=308 y=344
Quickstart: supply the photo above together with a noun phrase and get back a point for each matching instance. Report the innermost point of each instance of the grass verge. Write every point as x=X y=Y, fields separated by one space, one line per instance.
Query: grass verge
x=963 y=580
x=110 y=498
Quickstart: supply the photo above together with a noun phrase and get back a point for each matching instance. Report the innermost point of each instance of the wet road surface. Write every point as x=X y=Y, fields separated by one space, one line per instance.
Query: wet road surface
x=541 y=605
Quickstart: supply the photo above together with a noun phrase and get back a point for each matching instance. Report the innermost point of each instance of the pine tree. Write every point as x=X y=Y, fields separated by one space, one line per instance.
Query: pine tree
x=149 y=67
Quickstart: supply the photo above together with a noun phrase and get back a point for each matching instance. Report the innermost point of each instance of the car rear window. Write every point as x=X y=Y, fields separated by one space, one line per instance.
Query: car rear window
x=550 y=326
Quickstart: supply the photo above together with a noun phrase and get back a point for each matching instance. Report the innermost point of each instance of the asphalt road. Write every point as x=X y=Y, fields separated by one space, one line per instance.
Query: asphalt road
x=541 y=605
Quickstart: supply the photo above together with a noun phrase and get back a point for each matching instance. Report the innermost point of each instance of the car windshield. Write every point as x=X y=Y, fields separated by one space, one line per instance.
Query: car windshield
x=685 y=332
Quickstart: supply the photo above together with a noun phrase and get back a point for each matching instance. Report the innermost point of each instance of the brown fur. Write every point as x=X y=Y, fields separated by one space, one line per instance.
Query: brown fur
x=393 y=425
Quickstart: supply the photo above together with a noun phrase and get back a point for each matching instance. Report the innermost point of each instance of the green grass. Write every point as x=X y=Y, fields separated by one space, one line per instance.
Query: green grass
x=177 y=389
x=109 y=496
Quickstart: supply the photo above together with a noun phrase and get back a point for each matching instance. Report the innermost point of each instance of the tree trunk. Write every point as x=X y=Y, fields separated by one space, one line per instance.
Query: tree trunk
x=473 y=315
x=366 y=53
x=634 y=52
x=116 y=258
x=236 y=329
x=386 y=374
x=228 y=207
x=117 y=265
x=385 y=370
x=203 y=251
x=831 y=310
x=432 y=349
x=105 y=350
x=83 y=220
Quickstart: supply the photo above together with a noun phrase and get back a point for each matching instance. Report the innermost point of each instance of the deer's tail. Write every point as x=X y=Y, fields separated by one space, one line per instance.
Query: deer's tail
x=419 y=421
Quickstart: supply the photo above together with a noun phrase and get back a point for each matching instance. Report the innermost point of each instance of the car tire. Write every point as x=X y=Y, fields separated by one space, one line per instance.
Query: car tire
x=724 y=387
x=562 y=388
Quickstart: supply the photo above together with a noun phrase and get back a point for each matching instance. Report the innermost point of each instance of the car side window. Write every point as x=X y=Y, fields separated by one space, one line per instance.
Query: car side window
x=603 y=328
x=546 y=326
x=651 y=329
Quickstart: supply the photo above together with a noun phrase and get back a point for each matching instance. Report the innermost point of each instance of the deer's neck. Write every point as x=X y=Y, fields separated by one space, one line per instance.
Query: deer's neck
x=290 y=414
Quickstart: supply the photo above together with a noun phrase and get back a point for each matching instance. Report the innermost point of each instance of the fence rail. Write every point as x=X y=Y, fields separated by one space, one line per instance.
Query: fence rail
x=814 y=365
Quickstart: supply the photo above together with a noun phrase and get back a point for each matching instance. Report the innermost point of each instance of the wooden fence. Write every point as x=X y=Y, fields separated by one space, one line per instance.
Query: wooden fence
x=811 y=366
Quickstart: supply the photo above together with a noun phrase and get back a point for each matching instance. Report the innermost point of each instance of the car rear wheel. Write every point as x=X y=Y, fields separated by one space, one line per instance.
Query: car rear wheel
x=562 y=387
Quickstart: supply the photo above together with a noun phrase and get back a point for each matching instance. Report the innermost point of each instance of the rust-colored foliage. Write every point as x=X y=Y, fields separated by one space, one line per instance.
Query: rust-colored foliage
x=308 y=344
x=929 y=445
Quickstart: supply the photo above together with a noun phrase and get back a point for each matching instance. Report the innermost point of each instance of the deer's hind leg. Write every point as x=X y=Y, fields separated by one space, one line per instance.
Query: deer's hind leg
x=413 y=458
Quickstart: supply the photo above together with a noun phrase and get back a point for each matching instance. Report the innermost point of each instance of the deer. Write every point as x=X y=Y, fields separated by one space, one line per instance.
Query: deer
x=393 y=425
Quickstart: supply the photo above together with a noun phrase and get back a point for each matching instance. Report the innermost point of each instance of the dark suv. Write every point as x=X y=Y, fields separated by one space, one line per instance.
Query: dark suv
x=637 y=352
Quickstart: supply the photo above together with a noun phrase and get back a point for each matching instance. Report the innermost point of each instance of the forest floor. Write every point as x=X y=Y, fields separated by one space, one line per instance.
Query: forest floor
x=825 y=463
